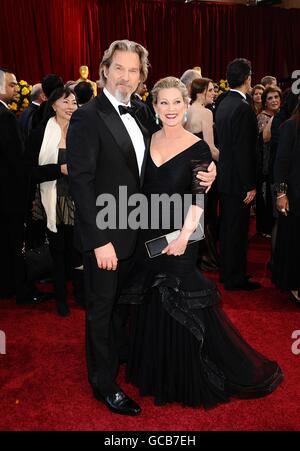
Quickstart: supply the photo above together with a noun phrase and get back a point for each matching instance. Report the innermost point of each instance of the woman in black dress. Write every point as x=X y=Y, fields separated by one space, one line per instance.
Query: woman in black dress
x=271 y=100
x=183 y=347
x=286 y=268
x=46 y=158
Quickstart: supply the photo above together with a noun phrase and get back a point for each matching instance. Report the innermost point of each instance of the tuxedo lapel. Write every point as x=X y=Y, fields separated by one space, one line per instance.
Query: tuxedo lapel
x=113 y=122
x=146 y=136
x=3 y=108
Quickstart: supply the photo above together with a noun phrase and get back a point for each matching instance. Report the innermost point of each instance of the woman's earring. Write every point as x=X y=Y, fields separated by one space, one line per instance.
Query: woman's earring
x=185 y=116
x=157 y=118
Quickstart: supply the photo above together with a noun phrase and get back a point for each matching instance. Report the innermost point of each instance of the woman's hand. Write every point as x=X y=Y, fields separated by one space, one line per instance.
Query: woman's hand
x=250 y=196
x=176 y=247
x=64 y=169
x=282 y=204
x=267 y=130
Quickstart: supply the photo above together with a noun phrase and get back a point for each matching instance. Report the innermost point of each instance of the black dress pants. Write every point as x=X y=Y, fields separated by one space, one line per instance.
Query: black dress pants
x=105 y=322
x=12 y=265
x=65 y=259
x=234 y=225
x=264 y=208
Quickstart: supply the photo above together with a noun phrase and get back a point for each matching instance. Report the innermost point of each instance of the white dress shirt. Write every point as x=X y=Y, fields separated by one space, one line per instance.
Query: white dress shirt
x=132 y=128
x=5 y=104
x=240 y=92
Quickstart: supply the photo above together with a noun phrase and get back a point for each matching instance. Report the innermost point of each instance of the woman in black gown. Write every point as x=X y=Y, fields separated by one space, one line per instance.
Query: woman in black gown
x=286 y=269
x=183 y=347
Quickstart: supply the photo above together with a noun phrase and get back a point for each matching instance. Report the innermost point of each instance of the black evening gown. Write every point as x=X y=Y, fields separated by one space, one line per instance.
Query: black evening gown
x=183 y=347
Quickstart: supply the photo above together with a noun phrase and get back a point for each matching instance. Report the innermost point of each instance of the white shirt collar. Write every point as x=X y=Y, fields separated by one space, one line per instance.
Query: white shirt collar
x=35 y=103
x=240 y=92
x=115 y=103
x=5 y=104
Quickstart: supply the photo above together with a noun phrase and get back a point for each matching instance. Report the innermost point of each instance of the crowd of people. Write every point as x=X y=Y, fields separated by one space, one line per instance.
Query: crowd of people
x=69 y=147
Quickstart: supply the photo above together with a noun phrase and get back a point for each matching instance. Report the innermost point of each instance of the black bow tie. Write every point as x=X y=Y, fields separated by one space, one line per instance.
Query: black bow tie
x=127 y=109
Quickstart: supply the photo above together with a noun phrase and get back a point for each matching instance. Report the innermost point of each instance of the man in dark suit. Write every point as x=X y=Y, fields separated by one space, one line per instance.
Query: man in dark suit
x=49 y=83
x=107 y=143
x=12 y=190
x=37 y=96
x=84 y=92
x=237 y=175
x=106 y=151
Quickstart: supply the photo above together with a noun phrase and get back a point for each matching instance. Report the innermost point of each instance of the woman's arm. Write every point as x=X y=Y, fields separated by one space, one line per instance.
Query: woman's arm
x=264 y=126
x=178 y=246
x=208 y=134
x=282 y=164
x=39 y=173
x=267 y=131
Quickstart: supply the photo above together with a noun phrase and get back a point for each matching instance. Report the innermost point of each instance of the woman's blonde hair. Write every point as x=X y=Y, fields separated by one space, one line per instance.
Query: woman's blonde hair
x=167 y=83
x=125 y=46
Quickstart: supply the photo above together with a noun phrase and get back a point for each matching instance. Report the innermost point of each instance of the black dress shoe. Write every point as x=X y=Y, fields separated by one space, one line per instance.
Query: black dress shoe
x=34 y=298
x=63 y=309
x=118 y=402
x=245 y=286
x=295 y=297
x=41 y=296
x=24 y=300
x=6 y=294
x=123 y=360
x=221 y=279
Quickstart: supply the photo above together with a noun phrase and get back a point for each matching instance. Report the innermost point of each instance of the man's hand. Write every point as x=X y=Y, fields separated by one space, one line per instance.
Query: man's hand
x=106 y=257
x=250 y=196
x=207 y=178
x=64 y=169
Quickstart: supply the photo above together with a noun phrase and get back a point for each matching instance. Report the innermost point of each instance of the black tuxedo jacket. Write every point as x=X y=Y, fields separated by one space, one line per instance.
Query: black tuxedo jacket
x=25 y=119
x=100 y=159
x=12 y=180
x=237 y=134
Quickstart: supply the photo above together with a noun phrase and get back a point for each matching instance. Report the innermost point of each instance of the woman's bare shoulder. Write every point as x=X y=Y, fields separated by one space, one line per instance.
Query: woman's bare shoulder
x=191 y=138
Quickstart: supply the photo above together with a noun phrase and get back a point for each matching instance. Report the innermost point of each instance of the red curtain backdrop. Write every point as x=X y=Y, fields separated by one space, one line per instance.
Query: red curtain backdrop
x=42 y=36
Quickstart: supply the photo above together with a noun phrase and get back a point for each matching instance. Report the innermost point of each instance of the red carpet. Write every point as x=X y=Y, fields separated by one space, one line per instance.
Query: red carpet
x=43 y=377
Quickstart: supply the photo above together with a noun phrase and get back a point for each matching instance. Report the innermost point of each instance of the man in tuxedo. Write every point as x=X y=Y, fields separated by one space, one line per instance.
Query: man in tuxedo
x=237 y=175
x=107 y=142
x=84 y=92
x=12 y=193
x=37 y=96
x=49 y=83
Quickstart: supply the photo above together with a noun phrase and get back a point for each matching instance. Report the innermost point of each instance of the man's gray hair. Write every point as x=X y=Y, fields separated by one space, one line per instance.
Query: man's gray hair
x=36 y=92
x=189 y=76
x=267 y=80
x=126 y=46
